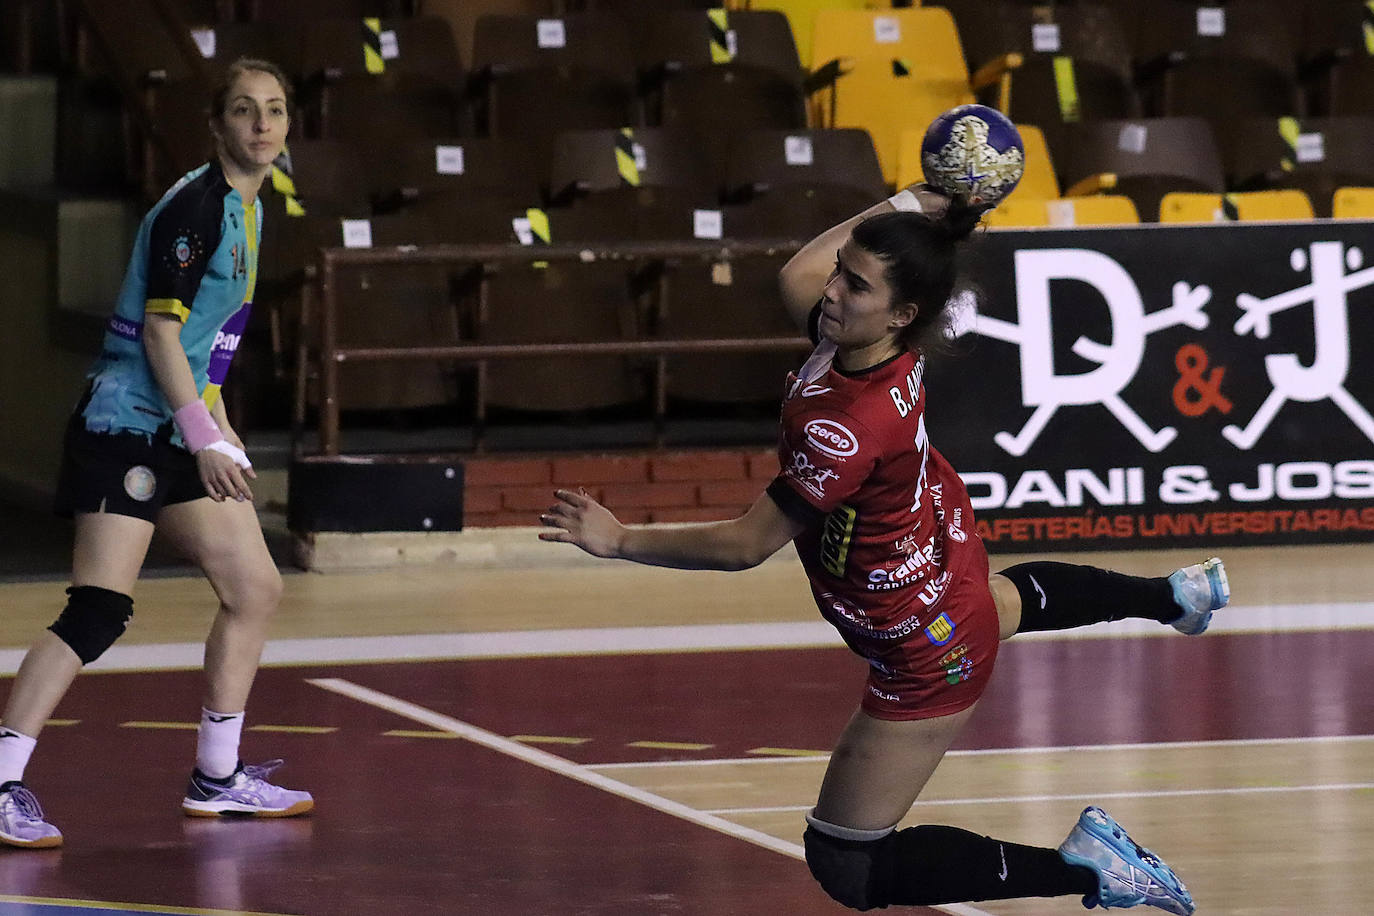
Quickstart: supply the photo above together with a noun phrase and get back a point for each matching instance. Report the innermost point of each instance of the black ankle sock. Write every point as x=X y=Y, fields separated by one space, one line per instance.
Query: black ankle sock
x=936 y=864
x=1057 y=596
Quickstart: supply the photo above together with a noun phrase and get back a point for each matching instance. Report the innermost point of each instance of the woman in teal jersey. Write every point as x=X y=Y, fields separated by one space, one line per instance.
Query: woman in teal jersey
x=150 y=446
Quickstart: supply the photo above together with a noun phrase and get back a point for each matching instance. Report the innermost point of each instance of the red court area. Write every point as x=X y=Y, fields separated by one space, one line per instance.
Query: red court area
x=413 y=820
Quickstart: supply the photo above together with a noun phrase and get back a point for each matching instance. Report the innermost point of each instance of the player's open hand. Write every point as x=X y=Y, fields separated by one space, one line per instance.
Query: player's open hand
x=223 y=477
x=578 y=519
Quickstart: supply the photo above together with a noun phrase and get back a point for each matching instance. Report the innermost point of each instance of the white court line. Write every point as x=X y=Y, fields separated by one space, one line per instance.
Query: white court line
x=987 y=751
x=1093 y=797
x=1285 y=618
x=575 y=771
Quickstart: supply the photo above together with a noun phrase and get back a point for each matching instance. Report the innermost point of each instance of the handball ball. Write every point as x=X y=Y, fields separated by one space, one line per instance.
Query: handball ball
x=974 y=153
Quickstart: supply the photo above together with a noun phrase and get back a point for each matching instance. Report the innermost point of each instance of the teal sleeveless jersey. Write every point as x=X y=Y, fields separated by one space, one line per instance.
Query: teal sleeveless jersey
x=195 y=259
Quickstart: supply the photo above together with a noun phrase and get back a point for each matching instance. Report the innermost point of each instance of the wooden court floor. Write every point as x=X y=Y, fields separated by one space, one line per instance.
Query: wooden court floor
x=575 y=737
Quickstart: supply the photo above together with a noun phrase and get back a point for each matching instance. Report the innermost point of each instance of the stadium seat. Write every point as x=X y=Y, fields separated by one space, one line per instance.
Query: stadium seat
x=1353 y=203
x=1238 y=58
x=801 y=15
x=883 y=70
x=1190 y=207
x=598 y=160
x=562 y=302
x=1141 y=159
x=1315 y=155
x=1338 y=57
x=1065 y=62
x=712 y=70
x=534 y=77
x=778 y=161
x=1094 y=210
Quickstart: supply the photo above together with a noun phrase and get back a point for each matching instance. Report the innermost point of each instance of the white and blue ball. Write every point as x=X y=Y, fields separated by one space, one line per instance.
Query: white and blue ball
x=973 y=153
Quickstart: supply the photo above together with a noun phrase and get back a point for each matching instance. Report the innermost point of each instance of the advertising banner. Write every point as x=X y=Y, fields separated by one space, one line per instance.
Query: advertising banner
x=1164 y=386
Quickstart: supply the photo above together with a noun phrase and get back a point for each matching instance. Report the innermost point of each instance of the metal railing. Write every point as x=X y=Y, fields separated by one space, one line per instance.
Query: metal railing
x=330 y=356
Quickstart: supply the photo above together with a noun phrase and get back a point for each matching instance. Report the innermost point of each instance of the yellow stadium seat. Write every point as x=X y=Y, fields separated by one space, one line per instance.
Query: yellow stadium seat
x=1188 y=207
x=925 y=40
x=1353 y=203
x=801 y=14
x=1030 y=212
x=1018 y=212
x=893 y=70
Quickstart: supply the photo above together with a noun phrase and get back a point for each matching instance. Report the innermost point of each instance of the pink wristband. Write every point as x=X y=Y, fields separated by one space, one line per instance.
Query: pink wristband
x=196 y=426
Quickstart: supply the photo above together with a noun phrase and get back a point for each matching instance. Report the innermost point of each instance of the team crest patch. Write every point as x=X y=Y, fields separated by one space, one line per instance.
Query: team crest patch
x=140 y=483
x=957 y=665
x=941 y=630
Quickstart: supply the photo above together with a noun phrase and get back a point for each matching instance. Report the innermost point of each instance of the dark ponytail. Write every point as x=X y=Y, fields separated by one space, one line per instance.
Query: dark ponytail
x=920 y=252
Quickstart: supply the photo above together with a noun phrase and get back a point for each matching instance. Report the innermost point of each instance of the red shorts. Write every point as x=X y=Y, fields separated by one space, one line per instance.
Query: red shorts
x=944 y=667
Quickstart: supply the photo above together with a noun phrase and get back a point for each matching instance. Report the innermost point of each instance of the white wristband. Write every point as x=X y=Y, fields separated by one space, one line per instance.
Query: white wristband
x=905 y=200
x=233 y=451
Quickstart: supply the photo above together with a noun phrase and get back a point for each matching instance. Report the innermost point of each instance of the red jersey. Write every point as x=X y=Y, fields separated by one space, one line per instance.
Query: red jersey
x=889 y=527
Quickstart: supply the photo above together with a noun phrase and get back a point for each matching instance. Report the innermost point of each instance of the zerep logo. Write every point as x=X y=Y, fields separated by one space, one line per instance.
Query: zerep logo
x=832 y=438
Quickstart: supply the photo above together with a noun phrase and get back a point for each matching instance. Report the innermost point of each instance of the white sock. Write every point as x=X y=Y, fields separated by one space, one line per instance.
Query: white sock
x=217 y=749
x=15 y=750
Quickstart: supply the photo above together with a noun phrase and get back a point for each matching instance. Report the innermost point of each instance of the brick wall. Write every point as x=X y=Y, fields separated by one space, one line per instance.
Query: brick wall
x=658 y=486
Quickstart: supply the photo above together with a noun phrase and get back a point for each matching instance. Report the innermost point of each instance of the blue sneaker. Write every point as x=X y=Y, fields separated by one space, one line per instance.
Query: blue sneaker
x=1199 y=590
x=1127 y=874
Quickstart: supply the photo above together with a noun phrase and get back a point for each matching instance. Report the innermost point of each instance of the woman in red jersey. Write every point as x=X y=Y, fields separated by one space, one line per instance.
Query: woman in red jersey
x=884 y=530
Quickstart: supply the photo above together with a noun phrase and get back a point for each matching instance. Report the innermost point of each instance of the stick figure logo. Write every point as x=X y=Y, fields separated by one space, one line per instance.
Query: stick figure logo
x=1325 y=378
x=1118 y=360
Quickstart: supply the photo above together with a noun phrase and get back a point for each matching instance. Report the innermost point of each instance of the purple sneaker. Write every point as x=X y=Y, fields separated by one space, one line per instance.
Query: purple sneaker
x=246 y=792
x=21 y=819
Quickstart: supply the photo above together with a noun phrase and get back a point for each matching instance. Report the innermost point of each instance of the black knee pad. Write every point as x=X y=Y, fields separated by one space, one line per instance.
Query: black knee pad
x=93 y=619
x=853 y=872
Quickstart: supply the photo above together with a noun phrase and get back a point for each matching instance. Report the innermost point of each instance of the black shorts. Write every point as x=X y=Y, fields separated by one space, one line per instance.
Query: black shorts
x=123 y=473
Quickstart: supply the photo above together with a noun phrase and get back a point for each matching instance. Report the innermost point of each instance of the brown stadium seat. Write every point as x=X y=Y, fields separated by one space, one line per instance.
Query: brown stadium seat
x=1338 y=56
x=786 y=161
x=534 y=77
x=739 y=299
x=302 y=12
x=801 y=15
x=1066 y=62
x=225 y=42
x=352 y=47
x=1315 y=155
x=599 y=160
x=452 y=173
x=1234 y=59
x=1141 y=159
x=712 y=71
x=392 y=306
x=561 y=302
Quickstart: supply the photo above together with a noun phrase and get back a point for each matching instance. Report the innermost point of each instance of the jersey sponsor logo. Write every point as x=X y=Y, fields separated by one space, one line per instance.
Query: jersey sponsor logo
x=836 y=535
x=124 y=328
x=957 y=665
x=916 y=559
x=811 y=391
x=831 y=438
x=890 y=697
x=227 y=343
x=808 y=475
x=941 y=630
x=140 y=483
x=956 y=526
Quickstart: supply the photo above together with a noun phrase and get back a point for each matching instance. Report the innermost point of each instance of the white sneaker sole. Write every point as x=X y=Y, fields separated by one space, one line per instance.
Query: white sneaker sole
x=215 y=809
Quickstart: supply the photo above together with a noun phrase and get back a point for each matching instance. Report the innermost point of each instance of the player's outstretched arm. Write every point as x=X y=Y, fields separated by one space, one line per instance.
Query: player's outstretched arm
x=739 y=543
